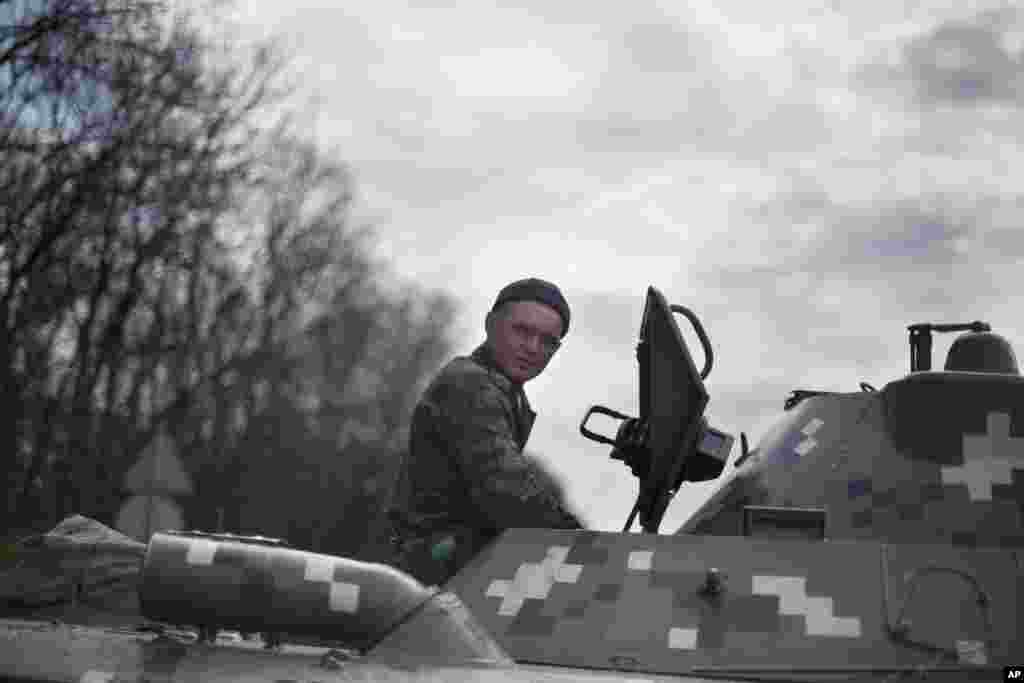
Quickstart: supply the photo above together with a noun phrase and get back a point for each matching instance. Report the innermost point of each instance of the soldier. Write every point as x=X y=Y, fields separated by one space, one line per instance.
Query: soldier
x=465 y=478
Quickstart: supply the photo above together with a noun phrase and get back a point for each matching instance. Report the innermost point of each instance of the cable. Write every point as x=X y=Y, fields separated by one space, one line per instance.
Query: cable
x=899 y=629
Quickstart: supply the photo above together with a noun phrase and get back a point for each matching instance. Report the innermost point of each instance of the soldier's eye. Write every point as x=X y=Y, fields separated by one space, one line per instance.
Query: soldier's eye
x=547 y=342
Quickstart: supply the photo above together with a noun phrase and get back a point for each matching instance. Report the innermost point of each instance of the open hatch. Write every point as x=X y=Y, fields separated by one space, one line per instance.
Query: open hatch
x=670 y=441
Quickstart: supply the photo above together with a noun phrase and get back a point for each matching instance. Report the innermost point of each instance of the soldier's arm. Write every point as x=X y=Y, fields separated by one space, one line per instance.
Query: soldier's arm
x=506 y=487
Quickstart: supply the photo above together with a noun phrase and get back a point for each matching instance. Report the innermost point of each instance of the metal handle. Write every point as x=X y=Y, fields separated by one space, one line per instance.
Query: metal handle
x=708 y=354
x=601 y=410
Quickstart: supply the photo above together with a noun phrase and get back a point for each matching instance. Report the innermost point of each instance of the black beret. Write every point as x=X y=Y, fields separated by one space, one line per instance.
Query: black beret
x=535 y=289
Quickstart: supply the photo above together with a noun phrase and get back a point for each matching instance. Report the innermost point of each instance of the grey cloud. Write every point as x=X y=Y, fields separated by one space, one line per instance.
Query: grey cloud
x=883 y=236
x=608 y=318
x=661 y=47
x=961 y=62
x=729 y=407
x=889 y=261
x=901 y=235
x=697 y=115
x=432 y=4
x=918 y=240
x=660 y=93
x=405 y=140
x=619 y=133
x=425 y=185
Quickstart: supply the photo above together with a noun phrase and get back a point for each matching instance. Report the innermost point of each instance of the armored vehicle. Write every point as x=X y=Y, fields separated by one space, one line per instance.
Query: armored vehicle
x=873 y=535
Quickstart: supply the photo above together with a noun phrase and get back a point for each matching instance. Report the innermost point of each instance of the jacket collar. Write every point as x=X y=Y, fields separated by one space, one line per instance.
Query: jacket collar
x=483 y=355
x=524 y=411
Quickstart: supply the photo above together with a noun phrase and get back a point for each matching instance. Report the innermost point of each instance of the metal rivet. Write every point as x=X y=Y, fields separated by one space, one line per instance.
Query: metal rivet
x=714 y=582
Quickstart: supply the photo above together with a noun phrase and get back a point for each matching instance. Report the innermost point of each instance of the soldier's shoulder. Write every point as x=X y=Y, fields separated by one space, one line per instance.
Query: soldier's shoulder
x=463 y=371
x=464 y=377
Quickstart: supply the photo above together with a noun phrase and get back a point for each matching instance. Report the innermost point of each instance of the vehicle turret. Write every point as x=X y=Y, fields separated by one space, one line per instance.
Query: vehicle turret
x=932 y=457
x=981 y=352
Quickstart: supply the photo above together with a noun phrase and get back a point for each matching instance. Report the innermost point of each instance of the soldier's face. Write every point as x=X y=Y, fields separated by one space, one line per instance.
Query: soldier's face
x=523 y=336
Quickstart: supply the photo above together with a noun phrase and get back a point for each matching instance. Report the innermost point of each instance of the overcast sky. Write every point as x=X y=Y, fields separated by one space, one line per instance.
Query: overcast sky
x=808 y=178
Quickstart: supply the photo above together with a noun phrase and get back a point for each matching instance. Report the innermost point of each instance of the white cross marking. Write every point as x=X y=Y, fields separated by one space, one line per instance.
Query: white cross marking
x=640 y=560
x=812 y=426
x=319 y=568
x=93 y=676
x=200 y=551
x=971 y=652
x=808 y=444
x=805 y=447
x=682 y=638
x=534 y=580
x=817 y=611
x=988 y=459
x=344 y=597
x=341 y=596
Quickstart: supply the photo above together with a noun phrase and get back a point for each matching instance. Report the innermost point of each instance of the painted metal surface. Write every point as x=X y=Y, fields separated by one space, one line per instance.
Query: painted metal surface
x=641 y=602
x=213 y=581
x=936 y=457
x=71 y=654
x=959 y=470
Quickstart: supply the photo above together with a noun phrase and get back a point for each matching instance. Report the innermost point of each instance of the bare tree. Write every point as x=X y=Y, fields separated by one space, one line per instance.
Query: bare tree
x=106 y=211
x=166 y=261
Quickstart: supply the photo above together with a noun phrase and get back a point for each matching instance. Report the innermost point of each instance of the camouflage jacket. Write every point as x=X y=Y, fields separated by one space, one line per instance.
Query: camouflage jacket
x=465 y=478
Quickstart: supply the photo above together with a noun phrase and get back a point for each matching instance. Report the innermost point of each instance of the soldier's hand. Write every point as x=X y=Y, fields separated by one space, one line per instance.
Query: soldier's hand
x=631 y=447
x=443 y=550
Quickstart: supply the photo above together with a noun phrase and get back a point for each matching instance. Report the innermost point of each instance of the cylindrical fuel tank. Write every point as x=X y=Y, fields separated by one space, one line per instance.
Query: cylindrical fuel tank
x=229 y=582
